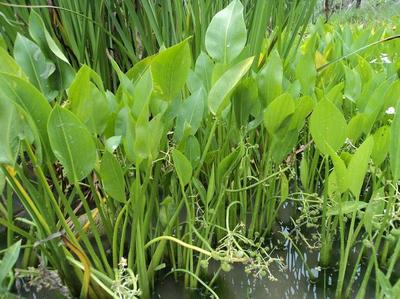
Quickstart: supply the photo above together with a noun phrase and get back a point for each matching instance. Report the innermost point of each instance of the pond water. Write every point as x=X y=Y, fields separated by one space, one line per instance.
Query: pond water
x=293 y=282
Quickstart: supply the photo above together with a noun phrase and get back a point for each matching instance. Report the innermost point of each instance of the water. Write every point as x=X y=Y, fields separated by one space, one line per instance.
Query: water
x=294 y=282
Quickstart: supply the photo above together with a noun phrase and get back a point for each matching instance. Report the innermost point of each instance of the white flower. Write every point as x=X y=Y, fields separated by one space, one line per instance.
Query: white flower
x=390 y=110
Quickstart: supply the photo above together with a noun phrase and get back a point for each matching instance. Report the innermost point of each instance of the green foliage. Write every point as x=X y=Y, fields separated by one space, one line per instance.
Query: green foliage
x=6 y=265
x=182 y=166
x=253 y=124
x=226 y=34
x=327 y=126
x=170 y=69
x=219 y=96
x=72 y=144
x=112 y=177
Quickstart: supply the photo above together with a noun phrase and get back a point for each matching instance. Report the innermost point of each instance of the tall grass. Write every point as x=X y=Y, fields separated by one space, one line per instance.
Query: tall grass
x=131 y=30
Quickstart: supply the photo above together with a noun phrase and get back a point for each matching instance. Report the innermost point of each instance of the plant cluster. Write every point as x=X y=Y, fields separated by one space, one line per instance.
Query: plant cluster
x=118 y=184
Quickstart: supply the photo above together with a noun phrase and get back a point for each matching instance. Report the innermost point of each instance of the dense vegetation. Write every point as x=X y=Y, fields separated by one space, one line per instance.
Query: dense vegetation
x=149 y=135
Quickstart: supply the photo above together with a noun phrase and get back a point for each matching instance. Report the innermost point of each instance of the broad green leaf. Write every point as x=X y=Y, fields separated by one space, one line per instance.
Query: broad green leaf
x=277 y=112
x=381 y=145
x=135 y=72
x=182 y=166
x=375 y=207
x=283 y=142
x=41 y=36
x=35 y=65
x=71 y=143
x=190 y=115
x=126 y=84
x=335 y=94
x=353 y=84
x=8 y=261
x=192 y=150
x=369 y=91
x=9 y=66
x=355 y=127
x=141 y=94
x=170 y=69
x=392 y=95
x=270 y=78
x=64 y=73
x=304 y=107
x=147 y=138
x=394 y=149
x=306 y=73
x=220 y=91
x=327 y=127
x=10 y=124
x=125 y=126
x=88 y=101
x=358 y=166
x=30 y=99
x=374 y=106
x=245 y=99
x=112 y=177
x=226 y=34
x=364 y=69
x=204 y=68
x=346 y=207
